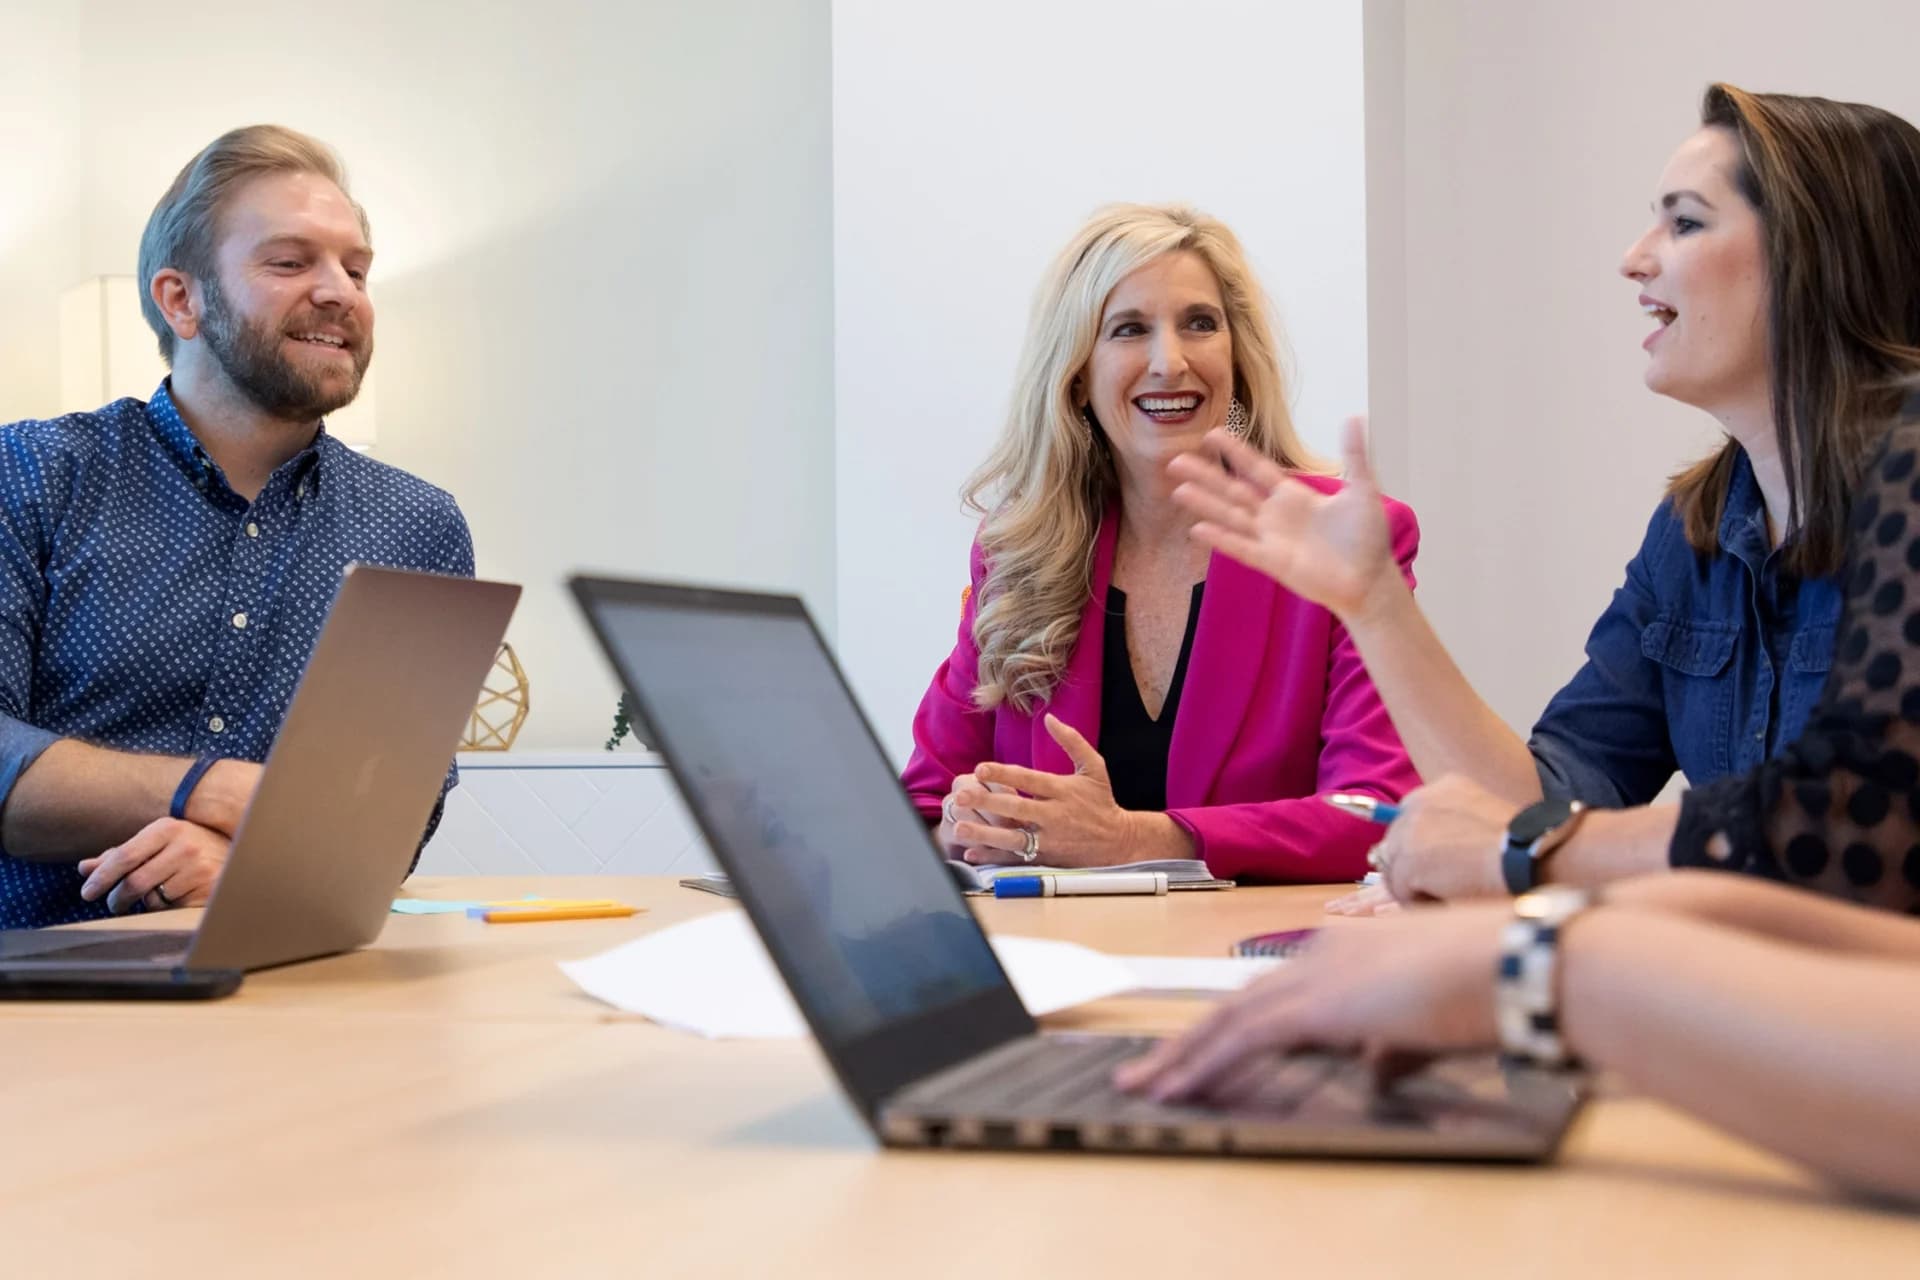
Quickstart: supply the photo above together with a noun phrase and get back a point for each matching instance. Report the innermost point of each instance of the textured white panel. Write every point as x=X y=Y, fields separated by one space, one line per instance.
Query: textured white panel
x=567 y=793
x=470 y=842
x=576 y=813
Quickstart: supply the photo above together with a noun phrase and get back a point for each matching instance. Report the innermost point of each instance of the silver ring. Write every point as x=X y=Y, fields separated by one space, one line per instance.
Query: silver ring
x=161 y=892
x=1376 y=859
x=946 y=811
x=1032 y=850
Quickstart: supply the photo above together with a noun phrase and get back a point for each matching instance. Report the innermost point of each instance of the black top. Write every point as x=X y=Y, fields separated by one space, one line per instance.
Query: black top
x=1134 y=744
x=1839 y=810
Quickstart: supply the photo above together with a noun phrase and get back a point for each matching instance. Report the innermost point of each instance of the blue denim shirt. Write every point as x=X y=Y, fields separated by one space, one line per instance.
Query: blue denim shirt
x=1704 y=664
x=147 y=606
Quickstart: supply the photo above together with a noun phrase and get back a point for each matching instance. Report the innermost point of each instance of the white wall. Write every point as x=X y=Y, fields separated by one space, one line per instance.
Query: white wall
x=967 y=148
x=603 y=278
x=39 y=196
x=1533 y=136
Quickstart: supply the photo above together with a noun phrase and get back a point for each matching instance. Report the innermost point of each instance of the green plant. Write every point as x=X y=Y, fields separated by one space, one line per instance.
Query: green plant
x=622 y=721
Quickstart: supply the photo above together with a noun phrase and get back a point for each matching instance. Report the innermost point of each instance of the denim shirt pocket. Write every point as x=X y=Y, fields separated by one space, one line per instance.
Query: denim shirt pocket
x=1809 y=658
x=1697 y=689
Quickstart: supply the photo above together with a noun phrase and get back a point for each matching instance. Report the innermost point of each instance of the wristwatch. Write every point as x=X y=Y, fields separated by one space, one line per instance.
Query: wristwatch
x=1527 y=982
x=1535 y=832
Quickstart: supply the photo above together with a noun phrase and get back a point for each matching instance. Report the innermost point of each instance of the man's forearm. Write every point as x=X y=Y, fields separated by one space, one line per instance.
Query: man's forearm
x=1445 y=725
x=78 y=799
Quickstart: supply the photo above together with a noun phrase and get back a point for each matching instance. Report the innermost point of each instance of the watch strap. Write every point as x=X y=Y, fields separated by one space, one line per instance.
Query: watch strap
x=1517 y=867
x=1527 y=982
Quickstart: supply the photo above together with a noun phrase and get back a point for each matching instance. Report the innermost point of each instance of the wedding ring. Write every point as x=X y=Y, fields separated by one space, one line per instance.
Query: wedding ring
x=1032 y=850
x=946 y=811
x=160 y=892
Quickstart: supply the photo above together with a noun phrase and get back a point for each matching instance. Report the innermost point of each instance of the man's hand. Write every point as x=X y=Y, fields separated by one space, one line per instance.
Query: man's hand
x=168 y=863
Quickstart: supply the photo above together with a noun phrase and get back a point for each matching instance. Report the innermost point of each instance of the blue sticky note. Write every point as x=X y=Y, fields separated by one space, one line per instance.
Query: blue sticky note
x=429 y=907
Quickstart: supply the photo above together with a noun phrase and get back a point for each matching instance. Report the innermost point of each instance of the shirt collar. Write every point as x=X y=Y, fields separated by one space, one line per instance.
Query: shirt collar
x=177 y=436
x=1743 y=521
x=302 y=471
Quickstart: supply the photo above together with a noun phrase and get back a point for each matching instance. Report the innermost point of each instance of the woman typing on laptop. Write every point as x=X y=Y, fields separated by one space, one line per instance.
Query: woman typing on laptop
x=1115 y=694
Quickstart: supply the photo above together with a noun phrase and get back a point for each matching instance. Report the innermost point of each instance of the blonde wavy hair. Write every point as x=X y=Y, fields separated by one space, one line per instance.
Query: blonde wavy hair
x=1045 y=487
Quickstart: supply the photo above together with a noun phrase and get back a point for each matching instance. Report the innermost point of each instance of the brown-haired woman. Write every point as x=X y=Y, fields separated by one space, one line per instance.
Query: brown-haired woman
x=1783 y=269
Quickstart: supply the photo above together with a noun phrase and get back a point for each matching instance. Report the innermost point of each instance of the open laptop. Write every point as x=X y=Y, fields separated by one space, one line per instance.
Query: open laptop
x=343 y=799
x=896 y=979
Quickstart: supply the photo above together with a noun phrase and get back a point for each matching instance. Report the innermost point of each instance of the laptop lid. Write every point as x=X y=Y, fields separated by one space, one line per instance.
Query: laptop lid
x=798 y=802
x=354 y=773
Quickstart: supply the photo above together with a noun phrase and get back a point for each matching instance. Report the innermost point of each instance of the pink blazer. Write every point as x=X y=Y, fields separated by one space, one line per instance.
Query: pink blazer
x=1276 y=710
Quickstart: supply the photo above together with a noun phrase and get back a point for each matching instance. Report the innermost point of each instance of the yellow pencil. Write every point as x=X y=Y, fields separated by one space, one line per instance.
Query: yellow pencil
x=559 y=913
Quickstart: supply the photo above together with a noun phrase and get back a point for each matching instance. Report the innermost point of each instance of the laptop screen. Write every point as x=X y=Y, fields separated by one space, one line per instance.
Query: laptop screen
x=800 y=805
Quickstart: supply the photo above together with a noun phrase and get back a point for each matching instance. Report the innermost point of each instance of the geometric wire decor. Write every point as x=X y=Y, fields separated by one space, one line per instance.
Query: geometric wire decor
x=502 y=708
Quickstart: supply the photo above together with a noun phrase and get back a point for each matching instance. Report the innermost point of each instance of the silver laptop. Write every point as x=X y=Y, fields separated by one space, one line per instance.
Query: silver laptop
x=346 y=793
x=896 y=979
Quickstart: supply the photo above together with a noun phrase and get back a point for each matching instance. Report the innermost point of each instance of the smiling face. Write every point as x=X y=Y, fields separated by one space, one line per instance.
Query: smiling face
x=1701 y=268
x=287 y=314
x=1161 y=373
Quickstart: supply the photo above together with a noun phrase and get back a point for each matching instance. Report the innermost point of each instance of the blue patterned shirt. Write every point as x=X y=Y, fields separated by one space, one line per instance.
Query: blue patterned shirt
x=146 y=606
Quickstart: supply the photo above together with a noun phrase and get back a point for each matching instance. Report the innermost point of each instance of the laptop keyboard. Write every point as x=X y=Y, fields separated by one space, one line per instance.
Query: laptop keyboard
x=1068 y=1074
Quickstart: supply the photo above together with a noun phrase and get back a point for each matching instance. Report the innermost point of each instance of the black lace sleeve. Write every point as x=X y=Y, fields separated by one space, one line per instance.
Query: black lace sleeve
x=1839 y=810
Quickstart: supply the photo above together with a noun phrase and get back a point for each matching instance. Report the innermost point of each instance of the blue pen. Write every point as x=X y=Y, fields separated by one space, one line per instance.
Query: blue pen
x=1361 y=806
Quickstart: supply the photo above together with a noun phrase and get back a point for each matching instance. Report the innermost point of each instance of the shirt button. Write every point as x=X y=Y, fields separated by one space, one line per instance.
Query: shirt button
x=300 y=491
x=216 y=725
x=240 y=622
x=253 y=530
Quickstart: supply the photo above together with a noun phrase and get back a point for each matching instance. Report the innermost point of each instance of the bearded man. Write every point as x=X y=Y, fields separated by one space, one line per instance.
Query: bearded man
x=165 y=566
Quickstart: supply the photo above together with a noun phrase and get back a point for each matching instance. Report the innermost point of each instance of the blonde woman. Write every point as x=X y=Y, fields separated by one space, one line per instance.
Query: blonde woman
x=1115 y=693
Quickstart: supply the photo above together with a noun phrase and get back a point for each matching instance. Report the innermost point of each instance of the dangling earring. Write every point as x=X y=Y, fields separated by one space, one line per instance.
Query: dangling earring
x=1086 y=419
x=1237 y=419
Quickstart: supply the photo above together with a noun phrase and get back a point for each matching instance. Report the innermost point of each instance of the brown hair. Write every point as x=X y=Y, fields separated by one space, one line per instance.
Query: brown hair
x=1837 y=189
x=184 y=229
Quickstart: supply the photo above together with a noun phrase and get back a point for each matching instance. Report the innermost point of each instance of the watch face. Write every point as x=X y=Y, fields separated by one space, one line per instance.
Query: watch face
x=1536 y=820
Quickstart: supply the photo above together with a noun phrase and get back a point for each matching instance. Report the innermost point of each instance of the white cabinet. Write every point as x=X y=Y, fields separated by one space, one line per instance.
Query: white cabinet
x=528 y=812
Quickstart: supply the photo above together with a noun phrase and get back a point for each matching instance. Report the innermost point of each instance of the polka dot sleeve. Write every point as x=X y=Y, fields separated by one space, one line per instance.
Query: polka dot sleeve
x=1839 y=810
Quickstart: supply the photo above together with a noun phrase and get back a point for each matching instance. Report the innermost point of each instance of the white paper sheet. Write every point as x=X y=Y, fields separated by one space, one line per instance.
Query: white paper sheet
x=1176 y=974
x=711 y=976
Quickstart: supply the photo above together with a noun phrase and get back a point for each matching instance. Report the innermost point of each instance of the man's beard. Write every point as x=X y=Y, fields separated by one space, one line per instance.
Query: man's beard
x=251 y=357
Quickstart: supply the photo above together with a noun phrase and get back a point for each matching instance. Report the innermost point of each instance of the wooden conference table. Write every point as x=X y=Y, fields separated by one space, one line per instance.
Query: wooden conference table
x=446 y=1103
